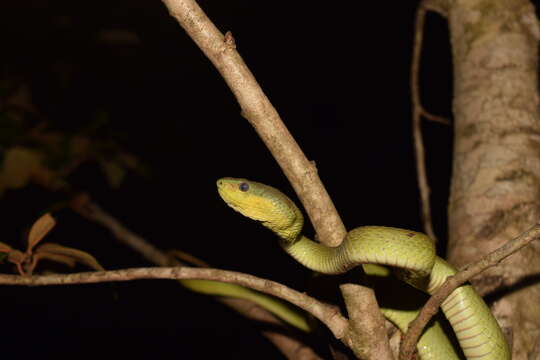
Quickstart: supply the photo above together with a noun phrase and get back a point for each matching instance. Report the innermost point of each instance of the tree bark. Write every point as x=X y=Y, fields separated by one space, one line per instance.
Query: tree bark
x=495 y=190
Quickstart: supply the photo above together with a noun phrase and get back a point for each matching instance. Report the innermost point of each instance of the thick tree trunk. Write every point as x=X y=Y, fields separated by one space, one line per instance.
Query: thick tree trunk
x=495 y=191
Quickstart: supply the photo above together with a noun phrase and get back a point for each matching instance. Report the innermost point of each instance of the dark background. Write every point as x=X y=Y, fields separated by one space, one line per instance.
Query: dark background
x=337 y=74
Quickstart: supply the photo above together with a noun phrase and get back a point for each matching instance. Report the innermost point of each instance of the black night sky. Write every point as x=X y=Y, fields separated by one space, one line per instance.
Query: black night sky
x=337 y=74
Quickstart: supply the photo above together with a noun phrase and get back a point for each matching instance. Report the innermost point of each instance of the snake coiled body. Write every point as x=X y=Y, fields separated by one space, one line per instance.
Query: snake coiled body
x=413 y=253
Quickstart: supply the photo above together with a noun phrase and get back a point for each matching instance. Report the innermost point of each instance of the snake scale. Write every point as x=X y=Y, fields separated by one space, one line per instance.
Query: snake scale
x=412 y=253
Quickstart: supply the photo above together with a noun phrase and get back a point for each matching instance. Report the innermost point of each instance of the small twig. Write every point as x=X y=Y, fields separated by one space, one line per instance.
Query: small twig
x=432 y=117
x=258 y=110
x=418 y=108
x=418 y=112
x=370 y=340
x=93 y=212
x=431 y=307
x=423 y=185
x=328 y=314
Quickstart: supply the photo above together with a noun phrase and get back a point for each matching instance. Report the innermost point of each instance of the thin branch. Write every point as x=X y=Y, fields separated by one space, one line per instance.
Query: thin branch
x=423 y=185
x=370 y=340
x=431 y=307
x=290 y=346
x=327 y=314
x=258 y=110
x=418 y=108
x=435 y=118
x=95 y=213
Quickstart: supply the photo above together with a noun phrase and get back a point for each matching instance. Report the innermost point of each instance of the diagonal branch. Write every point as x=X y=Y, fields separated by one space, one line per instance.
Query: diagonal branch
x=431 y=307
x=290 y=346
x=261 y=114
x=417 y=112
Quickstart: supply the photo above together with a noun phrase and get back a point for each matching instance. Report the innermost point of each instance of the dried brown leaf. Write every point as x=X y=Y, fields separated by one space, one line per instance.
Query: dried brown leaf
x=16 y=256
x=76 y=254
x=59 y=258
x=40 y=228
x=5 y=248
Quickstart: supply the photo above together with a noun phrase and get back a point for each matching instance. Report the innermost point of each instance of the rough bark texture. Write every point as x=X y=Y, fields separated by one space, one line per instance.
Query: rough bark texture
x=367 y=335
x=495 y=192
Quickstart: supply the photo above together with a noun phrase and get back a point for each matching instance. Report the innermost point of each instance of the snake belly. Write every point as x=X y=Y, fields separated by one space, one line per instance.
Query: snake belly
x=413 y=253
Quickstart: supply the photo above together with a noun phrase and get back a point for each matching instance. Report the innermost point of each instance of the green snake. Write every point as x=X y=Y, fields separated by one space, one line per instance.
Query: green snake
x=412 y=253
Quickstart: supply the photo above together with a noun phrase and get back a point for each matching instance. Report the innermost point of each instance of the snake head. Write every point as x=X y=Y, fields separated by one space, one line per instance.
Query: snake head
x=262 y=203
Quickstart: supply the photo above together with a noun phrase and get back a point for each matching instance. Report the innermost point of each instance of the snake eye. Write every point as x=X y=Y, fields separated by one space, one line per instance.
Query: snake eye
x=244 y=187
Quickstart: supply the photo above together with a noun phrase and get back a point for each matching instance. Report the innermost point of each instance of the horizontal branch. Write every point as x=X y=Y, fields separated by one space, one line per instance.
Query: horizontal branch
x=327 y=314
